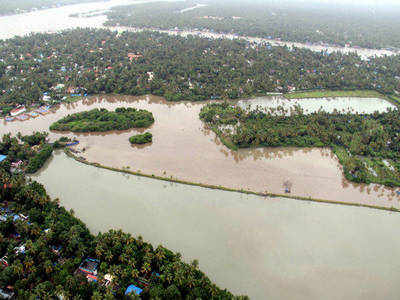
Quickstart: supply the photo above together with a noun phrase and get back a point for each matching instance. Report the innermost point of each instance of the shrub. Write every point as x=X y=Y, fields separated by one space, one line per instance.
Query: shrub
x=141 y=138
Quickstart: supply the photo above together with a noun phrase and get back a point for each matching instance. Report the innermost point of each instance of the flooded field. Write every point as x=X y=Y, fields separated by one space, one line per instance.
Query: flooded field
x=184 y=149
x=340 y=104
x=265 y=248
x=57 y=19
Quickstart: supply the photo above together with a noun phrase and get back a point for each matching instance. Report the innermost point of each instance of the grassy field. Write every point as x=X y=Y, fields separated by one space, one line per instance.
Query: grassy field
x=330 y=94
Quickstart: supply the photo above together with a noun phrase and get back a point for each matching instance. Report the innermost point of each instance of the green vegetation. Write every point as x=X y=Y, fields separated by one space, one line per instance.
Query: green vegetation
x=36 y=138
x=368 y=146
x=331 y=94
x=177 y=68
x=42 y=247
x=296 y=21
x=38 y=160
x=101 y=120
x=25 y=153
x=9 y=7
x=141 y=138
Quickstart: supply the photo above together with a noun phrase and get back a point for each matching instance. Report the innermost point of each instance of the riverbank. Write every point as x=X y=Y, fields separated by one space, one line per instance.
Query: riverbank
x=214 y=187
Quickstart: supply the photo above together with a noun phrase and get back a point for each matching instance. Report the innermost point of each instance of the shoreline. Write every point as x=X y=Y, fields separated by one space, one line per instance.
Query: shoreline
x=222 y=188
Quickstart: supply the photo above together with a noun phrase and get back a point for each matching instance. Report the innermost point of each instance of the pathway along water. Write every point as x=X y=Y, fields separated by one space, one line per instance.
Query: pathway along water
x=183 y=148
x=266 y=248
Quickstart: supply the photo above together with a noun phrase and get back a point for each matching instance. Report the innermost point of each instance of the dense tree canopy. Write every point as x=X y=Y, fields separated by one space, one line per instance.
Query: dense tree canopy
x=368 y=146
x=102 y=61
x=104 y=120
x=25 y=153
x=296 y=21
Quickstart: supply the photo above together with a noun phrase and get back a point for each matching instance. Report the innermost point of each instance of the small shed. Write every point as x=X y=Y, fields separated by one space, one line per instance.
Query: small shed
x=133 y=288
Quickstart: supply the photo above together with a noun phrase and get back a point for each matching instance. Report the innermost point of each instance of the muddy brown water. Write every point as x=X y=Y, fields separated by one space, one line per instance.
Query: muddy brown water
x=267 y=248
x=185 y=149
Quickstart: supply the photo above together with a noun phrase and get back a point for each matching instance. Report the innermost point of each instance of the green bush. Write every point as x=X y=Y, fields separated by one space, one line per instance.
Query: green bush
x=141 y=138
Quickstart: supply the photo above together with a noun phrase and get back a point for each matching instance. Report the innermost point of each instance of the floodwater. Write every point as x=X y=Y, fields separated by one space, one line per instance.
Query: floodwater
x=58 y=19
x=185 y=149
x=340 y=104
x=265 y=248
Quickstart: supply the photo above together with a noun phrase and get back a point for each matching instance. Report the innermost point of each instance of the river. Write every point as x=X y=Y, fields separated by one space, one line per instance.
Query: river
x=185 y=149
x=265 y=248
x=57 y=19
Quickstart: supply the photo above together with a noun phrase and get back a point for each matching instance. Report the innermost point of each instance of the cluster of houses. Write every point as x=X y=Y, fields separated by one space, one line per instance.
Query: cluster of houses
x=88 y=268
x=20 y=113
x=5 y=213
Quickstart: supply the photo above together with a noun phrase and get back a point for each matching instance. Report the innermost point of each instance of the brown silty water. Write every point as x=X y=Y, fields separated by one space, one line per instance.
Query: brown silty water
x=185 y=149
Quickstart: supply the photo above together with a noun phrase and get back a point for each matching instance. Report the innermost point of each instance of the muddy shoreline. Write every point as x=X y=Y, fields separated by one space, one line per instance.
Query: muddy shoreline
x=222 y=188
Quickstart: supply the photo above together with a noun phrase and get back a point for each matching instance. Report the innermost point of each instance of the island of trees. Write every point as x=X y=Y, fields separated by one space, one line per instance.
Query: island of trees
x=144 y=138
x=368 y=146
x=47 y=253
x=100 y=120
x=178 y=68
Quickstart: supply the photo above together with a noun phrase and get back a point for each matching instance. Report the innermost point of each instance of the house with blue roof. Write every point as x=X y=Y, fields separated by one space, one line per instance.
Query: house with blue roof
x=2 y=157
x=133 y=289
